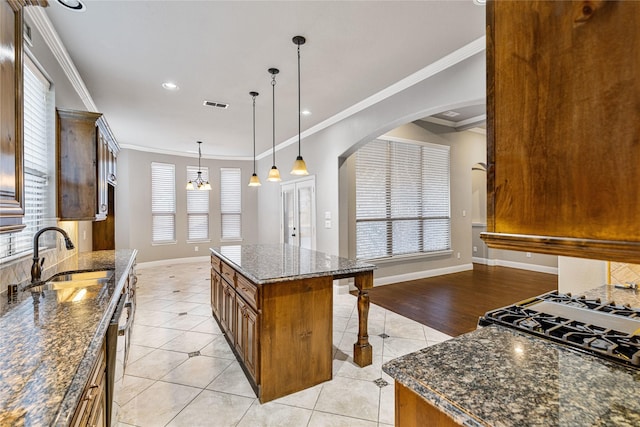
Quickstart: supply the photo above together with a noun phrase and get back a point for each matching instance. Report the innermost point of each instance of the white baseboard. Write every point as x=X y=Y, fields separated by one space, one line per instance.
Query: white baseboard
x=150 y=264
x=421 y=274
x=519 y=265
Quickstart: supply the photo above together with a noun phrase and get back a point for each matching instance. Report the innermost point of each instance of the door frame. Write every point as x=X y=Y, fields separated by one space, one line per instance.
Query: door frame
x=307 y=179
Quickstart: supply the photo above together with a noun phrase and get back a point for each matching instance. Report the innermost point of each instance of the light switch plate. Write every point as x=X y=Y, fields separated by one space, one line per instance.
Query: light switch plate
x=327 y=223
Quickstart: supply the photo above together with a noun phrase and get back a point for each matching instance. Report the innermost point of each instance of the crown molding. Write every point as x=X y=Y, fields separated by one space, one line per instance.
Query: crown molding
x=455 y=57
x=42 y=23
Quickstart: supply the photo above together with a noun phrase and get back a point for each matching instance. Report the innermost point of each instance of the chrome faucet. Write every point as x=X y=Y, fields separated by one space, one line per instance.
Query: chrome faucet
x=36 y=267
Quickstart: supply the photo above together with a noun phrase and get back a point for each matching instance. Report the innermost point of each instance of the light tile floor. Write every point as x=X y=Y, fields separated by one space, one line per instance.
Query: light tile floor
x=182 y=372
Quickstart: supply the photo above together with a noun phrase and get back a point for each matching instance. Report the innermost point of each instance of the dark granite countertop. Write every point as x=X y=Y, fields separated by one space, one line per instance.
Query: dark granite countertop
x=496 y=376
x=272 y=263
x=49 y=343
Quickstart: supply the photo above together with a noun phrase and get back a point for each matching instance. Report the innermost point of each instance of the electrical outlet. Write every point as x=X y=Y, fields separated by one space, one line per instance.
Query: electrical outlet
x=528 y=254
x=327 y=223
x=195 y=248
x=464 y=212
x=458 y=255
x=475 y=249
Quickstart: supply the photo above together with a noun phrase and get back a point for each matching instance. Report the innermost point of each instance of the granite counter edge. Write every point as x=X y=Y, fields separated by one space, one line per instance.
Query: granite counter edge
x=254 y=279
x=71 y=399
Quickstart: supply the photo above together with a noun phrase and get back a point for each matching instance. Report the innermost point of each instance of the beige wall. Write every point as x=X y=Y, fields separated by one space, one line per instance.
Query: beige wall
x=325 y=151
x=133 y=205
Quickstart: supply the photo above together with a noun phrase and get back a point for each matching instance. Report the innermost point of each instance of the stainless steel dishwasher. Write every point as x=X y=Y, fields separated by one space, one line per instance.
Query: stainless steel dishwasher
x=118 y=342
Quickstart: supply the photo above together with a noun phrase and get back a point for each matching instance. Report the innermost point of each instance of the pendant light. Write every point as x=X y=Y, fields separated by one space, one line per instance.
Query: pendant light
x=199 y=183
x=299 y=166
x=254 y=181
x=274 y=173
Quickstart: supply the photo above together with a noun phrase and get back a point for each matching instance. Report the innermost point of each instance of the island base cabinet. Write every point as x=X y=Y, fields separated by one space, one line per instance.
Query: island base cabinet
x=296 y=341
x=414 y=411
x=281 y=333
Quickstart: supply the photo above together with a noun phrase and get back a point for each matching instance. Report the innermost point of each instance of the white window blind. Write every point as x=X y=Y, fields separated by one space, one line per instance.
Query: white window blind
x=402 y=199
x=230 y=203
x=163 y=202
x=37 y=110
x=197 y=207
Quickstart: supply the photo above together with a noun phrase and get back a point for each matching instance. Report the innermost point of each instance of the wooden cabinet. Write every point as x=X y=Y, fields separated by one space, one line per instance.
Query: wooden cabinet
x=11 y=161
x=78 y=170
x=91 y=410
x=413 y=410
x=281 y=333
x=562 y=128
x=246 y=336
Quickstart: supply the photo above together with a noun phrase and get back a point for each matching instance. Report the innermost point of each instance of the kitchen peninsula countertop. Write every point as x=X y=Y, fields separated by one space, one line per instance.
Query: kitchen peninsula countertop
x=271 y=263
x=49 y=345
x=497 y=376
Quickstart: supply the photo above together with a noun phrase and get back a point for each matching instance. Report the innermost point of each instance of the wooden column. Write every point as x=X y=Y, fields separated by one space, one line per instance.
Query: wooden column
x=362 y=350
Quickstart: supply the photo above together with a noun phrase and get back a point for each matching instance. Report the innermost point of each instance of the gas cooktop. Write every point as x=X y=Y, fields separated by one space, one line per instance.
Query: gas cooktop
x=601 y=328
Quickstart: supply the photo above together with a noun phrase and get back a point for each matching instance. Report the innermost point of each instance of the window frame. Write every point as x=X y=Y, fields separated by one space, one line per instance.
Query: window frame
x=225 y=209
x=169 y=185
x=192 y=173
x=38 y=179
x=383 y=168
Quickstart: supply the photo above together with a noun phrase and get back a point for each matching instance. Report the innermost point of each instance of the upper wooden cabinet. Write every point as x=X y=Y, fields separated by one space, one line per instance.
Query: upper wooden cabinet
x=11 y=163
x=563 y=128
x=80 y=194
x=11 y=114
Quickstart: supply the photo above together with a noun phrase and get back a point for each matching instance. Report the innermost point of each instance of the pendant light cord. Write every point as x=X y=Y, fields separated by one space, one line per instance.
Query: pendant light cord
x=254 y=134
x=299 y=104
x=273 y=99
x=199 y=155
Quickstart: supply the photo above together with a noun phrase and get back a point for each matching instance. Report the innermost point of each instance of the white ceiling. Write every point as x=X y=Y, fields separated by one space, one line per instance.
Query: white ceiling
x=221 y=50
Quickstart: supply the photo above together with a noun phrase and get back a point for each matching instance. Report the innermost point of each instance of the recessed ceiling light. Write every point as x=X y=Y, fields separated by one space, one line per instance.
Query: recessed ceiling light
x=170 y=86
x=305 y=112
x=75 y=5
x=450 y=113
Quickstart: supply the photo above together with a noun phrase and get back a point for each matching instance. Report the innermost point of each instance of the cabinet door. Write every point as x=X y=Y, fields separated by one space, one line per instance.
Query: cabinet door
x=77 y=155
x=251 y=344
x=562 y=134
x=11 y=160
x=240 y=334
x=215 y=284
x=228 y=309
x=101 y=178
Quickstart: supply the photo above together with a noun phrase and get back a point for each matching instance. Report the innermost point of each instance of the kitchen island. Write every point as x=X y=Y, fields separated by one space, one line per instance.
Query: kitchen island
x=498 y=376
x=275 y=305
x=50 y=343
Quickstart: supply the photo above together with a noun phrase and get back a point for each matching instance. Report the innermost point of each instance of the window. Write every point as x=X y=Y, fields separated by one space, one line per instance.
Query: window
x=402 y=199
x=163 y=202
x=230 y=206
x=37 y=136
x=197 y=207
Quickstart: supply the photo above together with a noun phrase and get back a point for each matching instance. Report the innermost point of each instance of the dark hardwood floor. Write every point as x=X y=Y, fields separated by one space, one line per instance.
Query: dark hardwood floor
x=452 y=303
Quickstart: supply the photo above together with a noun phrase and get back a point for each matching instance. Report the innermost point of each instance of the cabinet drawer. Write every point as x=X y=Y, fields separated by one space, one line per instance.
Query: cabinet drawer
x=248 y=290
x=228 y=274
x=215 y=263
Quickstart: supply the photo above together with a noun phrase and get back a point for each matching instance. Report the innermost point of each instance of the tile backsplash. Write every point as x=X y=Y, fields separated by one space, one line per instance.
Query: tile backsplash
x=620 y=272
x=19 y=270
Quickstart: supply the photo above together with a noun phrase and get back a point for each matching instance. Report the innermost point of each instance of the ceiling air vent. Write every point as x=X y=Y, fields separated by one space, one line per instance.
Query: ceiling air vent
x=215 y=104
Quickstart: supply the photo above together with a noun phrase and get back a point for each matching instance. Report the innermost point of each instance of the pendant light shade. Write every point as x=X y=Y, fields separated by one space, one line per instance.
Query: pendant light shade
x=199 y=183
x=299 y=166
x=274 y=173
x=254 y=181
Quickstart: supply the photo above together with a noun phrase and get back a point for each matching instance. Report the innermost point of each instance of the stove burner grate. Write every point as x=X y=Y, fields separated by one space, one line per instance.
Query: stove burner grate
x=615 y=345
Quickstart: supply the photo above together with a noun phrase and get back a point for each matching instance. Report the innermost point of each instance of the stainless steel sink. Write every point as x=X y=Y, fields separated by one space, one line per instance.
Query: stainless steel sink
x=100 y=275
x=74 y=280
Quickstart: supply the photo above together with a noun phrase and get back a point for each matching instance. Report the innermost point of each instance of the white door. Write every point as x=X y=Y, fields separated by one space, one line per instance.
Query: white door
x=298 y=226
